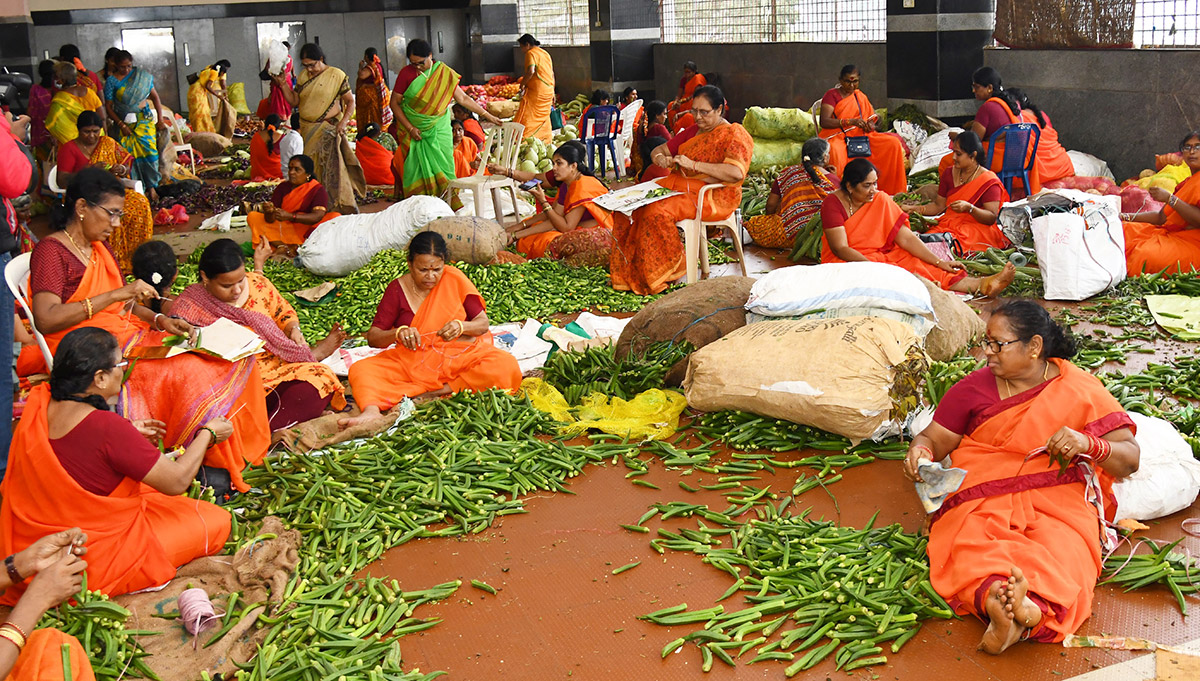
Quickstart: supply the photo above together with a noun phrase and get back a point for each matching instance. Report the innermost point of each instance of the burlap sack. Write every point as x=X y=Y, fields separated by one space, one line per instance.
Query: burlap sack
x=503 y=108
x=957 y=324
x=699 y=314
x=209 y=144
x=835 y=374
x=323 y=431
x=469 y=238
x=260 y=572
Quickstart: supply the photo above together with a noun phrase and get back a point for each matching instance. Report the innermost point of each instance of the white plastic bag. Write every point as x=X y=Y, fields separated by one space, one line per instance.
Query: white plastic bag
x=931 y=151
x=795 y=290
x=1080 y=253
x=345 y=243
x=1087 y=165
x=1168 y=477
x=277 y=56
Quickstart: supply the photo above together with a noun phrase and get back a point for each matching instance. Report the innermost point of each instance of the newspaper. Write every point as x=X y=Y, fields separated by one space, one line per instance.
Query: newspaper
x=630 y=199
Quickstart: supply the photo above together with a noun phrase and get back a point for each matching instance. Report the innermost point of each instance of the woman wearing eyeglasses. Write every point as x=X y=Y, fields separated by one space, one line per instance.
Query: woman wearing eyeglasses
x=424 y=159
x=1020 y=543
x=648 y=254
x=1168 y=239
x=846 y=112
x=325 y=102
x=77 y=464
x=75 y=283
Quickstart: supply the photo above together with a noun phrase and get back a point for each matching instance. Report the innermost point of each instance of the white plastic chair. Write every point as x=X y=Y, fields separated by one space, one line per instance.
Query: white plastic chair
x=180 y=145
x=52 y=181
x=625 y=136
x=17 y=276
x=695 y=241
x=509 y=138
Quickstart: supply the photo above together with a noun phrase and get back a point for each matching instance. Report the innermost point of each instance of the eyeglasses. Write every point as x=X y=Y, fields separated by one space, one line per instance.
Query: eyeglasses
x=421 y=62
x=113 y=215
x=309 y=64
x=1189 y=148
x=700 y=113
x=996 y=346
x=120 y=365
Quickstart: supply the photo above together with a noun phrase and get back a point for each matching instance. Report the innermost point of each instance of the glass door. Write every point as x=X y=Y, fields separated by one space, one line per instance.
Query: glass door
x=153 y=49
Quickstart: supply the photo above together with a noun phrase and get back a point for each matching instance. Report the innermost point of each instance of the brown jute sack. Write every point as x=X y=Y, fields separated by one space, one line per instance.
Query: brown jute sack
x=957 y=324
x=323 y=431
x=259 y=570
x=469 y=238
x=699 y=314
x=835 y=374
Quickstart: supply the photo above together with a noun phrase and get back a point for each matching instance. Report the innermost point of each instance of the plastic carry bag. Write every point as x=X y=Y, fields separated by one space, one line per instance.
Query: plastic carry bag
x=1082 y=252
x=651 y=415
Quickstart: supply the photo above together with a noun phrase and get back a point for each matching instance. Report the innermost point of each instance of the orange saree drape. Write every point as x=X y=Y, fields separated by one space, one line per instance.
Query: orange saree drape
x=465 y=153
x=475 y=364
x=648 y=254
x=375 y=160
x=887 y=150
x=1053 y=162
x=42 y=658
x=136 y=536
x=282 y=230
x=580 y=193
x=972 y=234
x=1022 y=513
x=534 y=109
x=1171 y=246
x=264 y=165
x=1035 y=177
x=872 y=231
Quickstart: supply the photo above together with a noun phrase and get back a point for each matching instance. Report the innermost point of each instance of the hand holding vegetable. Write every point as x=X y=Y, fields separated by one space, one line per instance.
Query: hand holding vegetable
x=48 y=550
x=175 y=326
x=685 y=163
x=961 y=206
x=664 y=160
x=1066 y=444
x=137 y=290
x=221 y=428
x=58 y=582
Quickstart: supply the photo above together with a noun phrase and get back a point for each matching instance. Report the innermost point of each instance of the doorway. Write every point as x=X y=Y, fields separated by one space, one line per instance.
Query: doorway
x=399 y=31
x=291 y=32
x=153 y=49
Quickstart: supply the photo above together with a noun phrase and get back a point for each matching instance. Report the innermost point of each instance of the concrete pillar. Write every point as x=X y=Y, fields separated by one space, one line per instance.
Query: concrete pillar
x=623 y=34
x=940 y=43
x=16 y=37
x=498 y=34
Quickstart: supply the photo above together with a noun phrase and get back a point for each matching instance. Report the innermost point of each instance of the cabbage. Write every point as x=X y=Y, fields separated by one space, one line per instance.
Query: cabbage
x=769 y=153
x=779 y=124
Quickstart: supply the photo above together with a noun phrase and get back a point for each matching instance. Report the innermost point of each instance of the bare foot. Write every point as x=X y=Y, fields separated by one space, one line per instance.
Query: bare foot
x=999 y=281
x=1002 y=630
x=367 y=414
x=330 y=343
x=1024 y=611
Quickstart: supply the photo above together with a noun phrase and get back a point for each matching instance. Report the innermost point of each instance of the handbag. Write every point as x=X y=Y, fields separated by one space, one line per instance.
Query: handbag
x=858 y=146
x=192 y=78
x=264 y=75
x=946 y=238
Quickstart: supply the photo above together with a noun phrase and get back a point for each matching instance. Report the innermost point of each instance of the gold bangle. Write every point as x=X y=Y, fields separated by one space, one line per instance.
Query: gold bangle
x=461 y=326
x=19 y=630
x=396 y=335
x=88 y=303
x=13 y=637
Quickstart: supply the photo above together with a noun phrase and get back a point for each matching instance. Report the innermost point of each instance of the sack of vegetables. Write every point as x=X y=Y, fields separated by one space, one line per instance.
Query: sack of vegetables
x=779 y=124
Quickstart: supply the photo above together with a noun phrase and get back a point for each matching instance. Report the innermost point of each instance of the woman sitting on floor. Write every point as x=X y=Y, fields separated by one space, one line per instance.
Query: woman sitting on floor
x=578 y=210
x=93 y=148
x=436 y=320
x=863 y=224
x=1053 y=161
x=76 y=464
x=471 y=126
x=297 y=207
x=55 y=565
x=796 y=195
x=155 y=263
x=299 y=387
x=846 y=112
x=1021 y=542
x=968 y=199
x=648 y=254
x=375 y=159
x=75 y=282
x=466 y=152
x=1169 y=239
x=264 y=150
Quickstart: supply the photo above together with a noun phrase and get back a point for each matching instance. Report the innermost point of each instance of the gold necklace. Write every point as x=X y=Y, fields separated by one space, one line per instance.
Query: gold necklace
x=1045 y=375
x=79 y=250
x=850 y=204
x=962 y=181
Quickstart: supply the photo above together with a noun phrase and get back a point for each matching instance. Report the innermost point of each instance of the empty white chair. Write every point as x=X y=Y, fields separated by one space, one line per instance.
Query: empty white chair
x=508 y=136
x=625 y=148
x=17 y=277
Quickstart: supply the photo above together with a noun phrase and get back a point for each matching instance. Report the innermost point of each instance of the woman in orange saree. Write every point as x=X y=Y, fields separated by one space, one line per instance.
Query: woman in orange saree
x=436 y=318
x=371 y=93
x=1169 y=239
x=264 y=150
x=1019 y=543
x=999 y=108
x=466 y=152
x=648 y=255
x=75 y=282
x=692 y=79
x=968 y=199
x=846 y=111
x=537 y=97
x=375 y=159
x=577 y=210
x=863 y=224
x=297 y=207
x=299 y=386
x=1053 y=162
x=81 y=465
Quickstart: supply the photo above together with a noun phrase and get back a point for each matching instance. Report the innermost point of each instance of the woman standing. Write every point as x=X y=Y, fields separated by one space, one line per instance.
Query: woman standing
x=648 y=254
x=40 y=96
x=424 y=159
x=92 y=148
x=537 y=90
x=129 y=92
x=1169 y=239
x=846 y=112
x=371 y=94
x=968 y=199
x=577 y=211
x=71 y=100
x=324 y=98
x=210 y=89
x=275 y=102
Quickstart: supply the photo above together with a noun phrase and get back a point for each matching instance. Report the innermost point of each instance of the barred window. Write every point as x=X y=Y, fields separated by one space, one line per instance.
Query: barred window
x=555 y=22
x=750 y=21
x=1167 y=23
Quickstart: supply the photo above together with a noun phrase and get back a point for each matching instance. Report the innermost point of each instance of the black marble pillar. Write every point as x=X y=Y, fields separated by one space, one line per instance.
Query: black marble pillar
x=16 y=44
x=933 y=47
x=623 y=34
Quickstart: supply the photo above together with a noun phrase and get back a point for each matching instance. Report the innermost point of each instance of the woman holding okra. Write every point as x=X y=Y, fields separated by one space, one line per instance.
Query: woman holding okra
x=1019 y=543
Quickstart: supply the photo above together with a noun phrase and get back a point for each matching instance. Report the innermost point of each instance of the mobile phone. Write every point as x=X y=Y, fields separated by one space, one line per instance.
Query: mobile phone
x=526 y=186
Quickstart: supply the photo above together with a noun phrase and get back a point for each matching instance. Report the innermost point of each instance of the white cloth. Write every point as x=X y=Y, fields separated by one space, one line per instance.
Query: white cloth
x=291 y=144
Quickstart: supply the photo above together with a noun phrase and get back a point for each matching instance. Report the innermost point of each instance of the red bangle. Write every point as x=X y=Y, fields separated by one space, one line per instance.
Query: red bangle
x=1099 y=449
